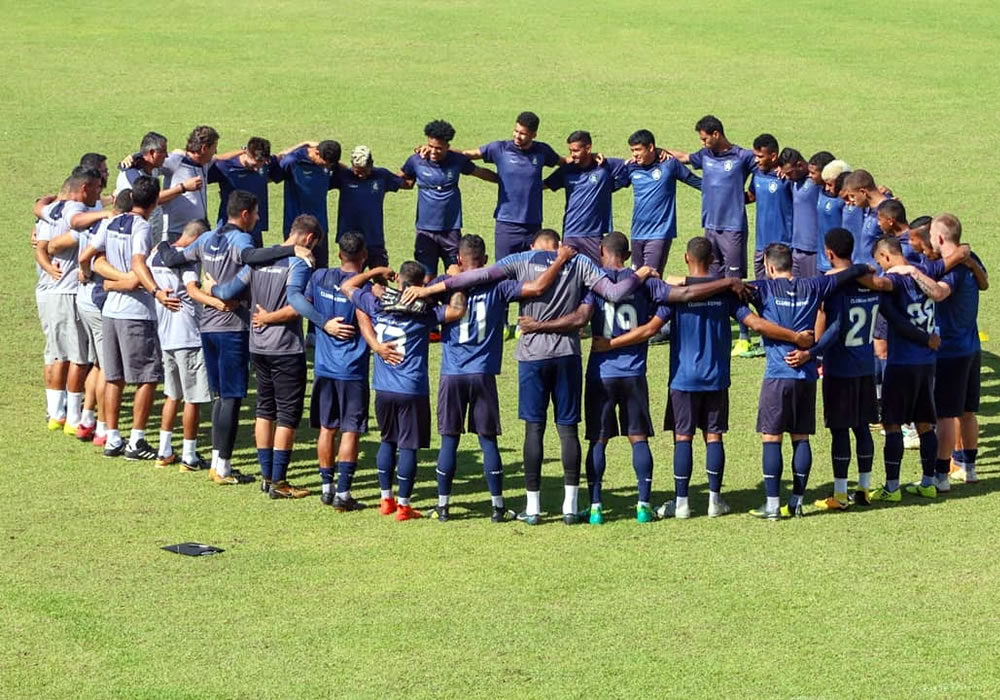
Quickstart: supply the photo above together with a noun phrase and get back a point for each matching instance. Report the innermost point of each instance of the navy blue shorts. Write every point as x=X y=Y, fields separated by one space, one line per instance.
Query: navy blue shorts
x=403 y=419
x=281 y=387
x=432 y=246
x=339 y=404
x=956 y=385
x=787 y=406
x=377 y=256
x=690 y=411
x=559 y=379
x=227 y=361
x=758 y=265
x=512 y=238
x=474 y=395
x=908 y=394
x=729 y=253
x=803 y=264
x=651 y=252
x=629 y=395
x=586 y=245
x=849 y=402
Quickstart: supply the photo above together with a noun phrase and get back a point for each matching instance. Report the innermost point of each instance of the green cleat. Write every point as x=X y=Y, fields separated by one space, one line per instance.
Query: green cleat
x=595 y=515
x=764 y=514
x=787 y=511
x=885 y=495
x=644 y=514
x=922 y=491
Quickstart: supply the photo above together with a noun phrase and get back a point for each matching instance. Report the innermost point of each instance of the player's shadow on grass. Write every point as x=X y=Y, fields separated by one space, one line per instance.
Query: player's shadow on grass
x=989 y=408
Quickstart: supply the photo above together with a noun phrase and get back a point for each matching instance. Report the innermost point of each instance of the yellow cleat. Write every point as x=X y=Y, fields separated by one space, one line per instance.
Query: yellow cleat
x=833 y=503
x=56 y=424
x=739 y=347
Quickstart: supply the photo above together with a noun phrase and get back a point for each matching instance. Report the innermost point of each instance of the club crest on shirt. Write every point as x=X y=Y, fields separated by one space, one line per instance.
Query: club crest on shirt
x=727 y=166
x=657 y=175
x=450 y=174
x=829 y=206
x=773 y=187
x=592 y=179
x=375 y=187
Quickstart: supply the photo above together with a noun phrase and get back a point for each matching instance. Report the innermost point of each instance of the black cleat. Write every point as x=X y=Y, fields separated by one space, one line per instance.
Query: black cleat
x=571 y=519
x=141 y=453
x=327 y=499
x=441 y=514
x=116 y=451
x=265 y=487
x=344 y=505
x=502 y=515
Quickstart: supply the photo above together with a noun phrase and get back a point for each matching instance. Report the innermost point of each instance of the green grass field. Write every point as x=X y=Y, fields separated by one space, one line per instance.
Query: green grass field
x=893 y=601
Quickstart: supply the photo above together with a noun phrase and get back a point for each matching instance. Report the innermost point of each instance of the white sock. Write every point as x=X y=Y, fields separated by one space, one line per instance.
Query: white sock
x=215 y=461
x=61 y=406
x=534 y=504
x=772 y=505
x=570 y=494
x=114 y=438
x=223 y=468
x=714 y=497
x=643 y=504
x=74 y=406
x=136 y=436
x=839 y=485
x=404 y=501
x=52 y=399
x=102 y=429
x=595 y=504
x=497 y=501
x=166 y=449
x=342 y=495
x=680 y=502
x=386 y=493
x=190 y=452
x=88 y=418
x=443 y=501
x=864 y=480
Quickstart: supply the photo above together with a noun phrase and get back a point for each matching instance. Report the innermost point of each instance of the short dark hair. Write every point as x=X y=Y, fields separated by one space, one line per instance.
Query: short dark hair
x=859 y=179
x=779 y=255
x=699 y=249
x=766 y=141
x=240 y=201
x=145 y=192
x=440 y=130
x=412 y=273
x=921 y=222
x=546 y=233
x=891 y=244
x=329 y=151
x=80 y=176
x=201 y=137
x=821 y=159
x=579 y=136
x=259 y=148
x=123 y=200
x=642 y=137
x=616 y=243
x=838 y=184
x=93 y=160
x=709 y=124
x=153 y=141
x=921 y=228
x=352 y=245
x=789 y=156
x=840 y=241
x=472 y=246
x=529 y=120
x=893 y=209
x=307 y=223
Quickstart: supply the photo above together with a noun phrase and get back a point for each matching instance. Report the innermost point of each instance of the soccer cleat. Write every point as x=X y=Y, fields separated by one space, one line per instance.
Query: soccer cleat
x=670 y=510
x=955 y=467
x=349 y=504
x=195 y=465
x=885 y=495
x=861 y=497
x=265 y=486
x=56 y=424
x=964 y=475
x=100 y=440
x=440 y=513
x=832 y=503
x=282 y=489
x=387 y=506
x=787 y=511
x=166 y=461
x=406 y=513
x=571 y=519
x=916 y=489
x=235 y=477
x=85 y=432
x=70 y=429
x=911 y=439
x=142 y=452
x=764 y=514
x=644 y=514
x=434 y=337
x=756 y=350
x=509 y=332
x=595 y=516
x=502 y=515
x=527 y=519
x=970 y=475
x=328 y=498
x=718 y=509
x=116 y=451
x=942 y=484
x=739 y=347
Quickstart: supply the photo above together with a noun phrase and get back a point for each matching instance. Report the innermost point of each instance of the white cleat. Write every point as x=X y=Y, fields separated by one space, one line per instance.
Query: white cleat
x=670 y=510
x=718 y=509
x=943 y=484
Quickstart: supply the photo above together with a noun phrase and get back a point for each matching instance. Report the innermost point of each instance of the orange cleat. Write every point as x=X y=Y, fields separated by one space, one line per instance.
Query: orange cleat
x=407 y=513
x=387 y=506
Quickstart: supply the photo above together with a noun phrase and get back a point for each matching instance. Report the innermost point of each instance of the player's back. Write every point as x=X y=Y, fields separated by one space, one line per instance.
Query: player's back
x=410 y=335
x=337 y=358
x=611 y=320
x=700 y=340
x=851 y=355
x=792 y=304
x=920 y=311
x=219 y=253
x=268 y=290
x=474 y=344
x=177 y=329
x=957 y=315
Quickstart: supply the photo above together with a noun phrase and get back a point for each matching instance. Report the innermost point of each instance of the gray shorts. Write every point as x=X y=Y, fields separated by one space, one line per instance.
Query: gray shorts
x=729 y=253
x=65 y=337
x=185 y=376
x=758 y=265
x=132 y=351
x=93 y=327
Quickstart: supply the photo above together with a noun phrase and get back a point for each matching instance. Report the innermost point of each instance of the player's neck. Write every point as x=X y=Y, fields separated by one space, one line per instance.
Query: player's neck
x=697 y=271
x=946 y=249
x=615 y=265
x=348 y=266
x=782 y=275
x=837 y=265
x=722 y=146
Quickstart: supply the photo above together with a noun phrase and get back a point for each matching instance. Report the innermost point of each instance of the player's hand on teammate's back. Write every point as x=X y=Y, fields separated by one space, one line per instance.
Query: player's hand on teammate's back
x=934 y=342
x=797 y=358
x=193 y=183
x=527 y=324
x=259 y=317
x=453 y=270
x=599 y=344
x=208 y=284
x=565 y=252
x=388 y=352
x=169 y=301
x=227 y=306
x=741 y=289
x=645 y=272
x=805 y=339
x=305 y=254
x=338 y=329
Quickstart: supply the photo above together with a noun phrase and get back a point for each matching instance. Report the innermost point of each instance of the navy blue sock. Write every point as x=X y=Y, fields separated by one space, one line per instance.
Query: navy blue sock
x=345 y=476
x=447 y=456
x=802 y=459
x=596 y=464
x=928 y=456
x=773 y=466
x=642 y=463
x=492 y=466
x=840 y=451
x=969 y=457
x=892 y=454
x=864 y=448
x=279 y=470
x=683 y=466
x=326 y=475
x=406 y=474
x=958 y=456
x=942 y=466
x=385 y=464
x=715 y=464
x=266 y=460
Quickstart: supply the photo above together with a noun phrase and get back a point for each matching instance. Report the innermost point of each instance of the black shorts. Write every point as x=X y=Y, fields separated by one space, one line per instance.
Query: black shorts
x=629 y=395
x=787 y=406
x=377 y=257
x=956 y=385
x=689 y=411
x=339 y=404
x=908 y=394
x=281 y=387
x=431 y=246
x=404 y=419
x=849 y=402
x=472 y=395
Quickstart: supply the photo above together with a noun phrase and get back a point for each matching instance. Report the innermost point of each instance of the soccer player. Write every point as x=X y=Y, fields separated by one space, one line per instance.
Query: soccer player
x=805 y=195
x=829 y=214
x=892 y=222
x=309 y=171
x=654 y=199
x=189 y=169
x=588 y=184
x=250 y=170
x=362 y=196
x=725 y=168
x=862 y=192
x=131 y=345
x=787 y=393
x=772 y=196
x=402 y=391
x=470 y=360
x=439 y=199
x=184 y=374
